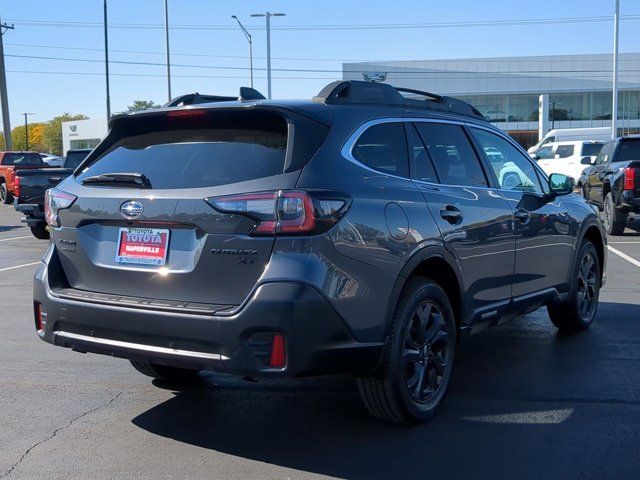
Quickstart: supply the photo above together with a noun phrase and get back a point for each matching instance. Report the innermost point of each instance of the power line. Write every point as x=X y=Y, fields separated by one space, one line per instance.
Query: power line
x=433 y=25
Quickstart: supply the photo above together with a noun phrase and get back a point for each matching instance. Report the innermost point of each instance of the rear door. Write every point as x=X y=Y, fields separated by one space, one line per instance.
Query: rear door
x=597 y=173
x=475 y=220
x=543 y=230
x=164 y=240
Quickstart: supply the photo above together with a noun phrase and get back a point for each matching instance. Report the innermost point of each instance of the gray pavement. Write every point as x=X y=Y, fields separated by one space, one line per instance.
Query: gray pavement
x=525 y=403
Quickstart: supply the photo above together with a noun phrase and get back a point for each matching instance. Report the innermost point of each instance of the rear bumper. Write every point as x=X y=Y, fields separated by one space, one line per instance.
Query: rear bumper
x=236 y=341
x=34 y=215
x=629 y=202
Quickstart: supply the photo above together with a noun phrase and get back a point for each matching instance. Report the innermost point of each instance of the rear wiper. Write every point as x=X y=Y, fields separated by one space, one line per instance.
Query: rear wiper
x=132 y=179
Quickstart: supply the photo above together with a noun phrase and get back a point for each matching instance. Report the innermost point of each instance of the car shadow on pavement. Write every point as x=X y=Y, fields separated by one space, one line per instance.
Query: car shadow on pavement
x=521 y=403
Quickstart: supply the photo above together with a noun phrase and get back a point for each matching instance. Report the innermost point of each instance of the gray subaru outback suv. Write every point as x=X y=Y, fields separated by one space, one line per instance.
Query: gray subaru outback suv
x=364 y=232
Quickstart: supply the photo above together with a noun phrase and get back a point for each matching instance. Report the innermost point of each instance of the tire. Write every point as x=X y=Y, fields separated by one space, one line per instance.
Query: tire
x=572 y=314
x=414 y=374
x=615 y=221
x=5 y=196
x=40 y=231
x=169 y=374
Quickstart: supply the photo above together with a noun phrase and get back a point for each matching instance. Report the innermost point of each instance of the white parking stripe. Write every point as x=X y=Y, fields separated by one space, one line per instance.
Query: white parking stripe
x=19 y=266
x=624 y=243
x=14 y=238
x=624 y=256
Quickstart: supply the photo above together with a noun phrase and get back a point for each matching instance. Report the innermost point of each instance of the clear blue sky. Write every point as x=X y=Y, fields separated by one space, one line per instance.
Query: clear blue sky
x=82 y=90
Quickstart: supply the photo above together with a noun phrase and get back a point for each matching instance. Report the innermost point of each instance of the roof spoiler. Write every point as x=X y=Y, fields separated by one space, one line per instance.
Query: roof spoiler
x=246 y=93
x=357 y=92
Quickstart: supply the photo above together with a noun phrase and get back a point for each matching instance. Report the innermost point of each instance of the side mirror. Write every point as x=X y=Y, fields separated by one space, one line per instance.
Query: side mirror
x=586 y=161
x=561 y=184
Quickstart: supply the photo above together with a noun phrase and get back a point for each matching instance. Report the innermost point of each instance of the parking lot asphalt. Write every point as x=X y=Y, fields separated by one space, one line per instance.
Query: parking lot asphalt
x=525 y=402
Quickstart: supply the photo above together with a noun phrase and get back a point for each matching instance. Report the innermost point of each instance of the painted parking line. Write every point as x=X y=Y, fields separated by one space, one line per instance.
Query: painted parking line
x=19 y=266
x=624 y=243
x=623 y=256
x=15 y=238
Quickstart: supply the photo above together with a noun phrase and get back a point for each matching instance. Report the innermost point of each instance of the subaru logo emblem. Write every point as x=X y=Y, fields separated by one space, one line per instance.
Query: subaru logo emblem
x=131 y=210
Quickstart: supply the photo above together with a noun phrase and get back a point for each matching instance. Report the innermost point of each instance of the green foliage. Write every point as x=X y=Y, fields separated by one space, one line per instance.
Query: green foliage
x=139 y=105
x=52 y=135
x=36 y=137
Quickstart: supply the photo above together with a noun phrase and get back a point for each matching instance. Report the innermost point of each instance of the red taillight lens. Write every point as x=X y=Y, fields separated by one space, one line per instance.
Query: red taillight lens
x=16 y=187
x=283 y=212
x=54 y=201
x=278 y=354
x=629 y=178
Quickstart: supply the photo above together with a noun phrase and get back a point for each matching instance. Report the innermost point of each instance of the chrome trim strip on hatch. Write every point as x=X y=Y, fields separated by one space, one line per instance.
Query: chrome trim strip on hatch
x=139 y=347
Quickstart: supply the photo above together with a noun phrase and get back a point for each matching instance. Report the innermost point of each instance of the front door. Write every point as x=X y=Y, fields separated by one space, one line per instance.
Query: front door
x=597 y=173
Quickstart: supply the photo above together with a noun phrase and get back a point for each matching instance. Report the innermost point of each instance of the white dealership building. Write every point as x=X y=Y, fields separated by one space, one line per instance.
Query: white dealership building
x=83 y=133
x=507 y=89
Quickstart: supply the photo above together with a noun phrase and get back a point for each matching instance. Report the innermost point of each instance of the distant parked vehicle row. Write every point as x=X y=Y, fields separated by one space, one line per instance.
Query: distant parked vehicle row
x=10 y=164
x=601 y=134
x=612 y=183
x=569 y=158
x=30 y=187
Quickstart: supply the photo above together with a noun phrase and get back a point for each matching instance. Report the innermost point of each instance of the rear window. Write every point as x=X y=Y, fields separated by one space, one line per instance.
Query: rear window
x=591 y=149
x=629 y=150
x=229 y=152
x=23 y=159
x=73 y=159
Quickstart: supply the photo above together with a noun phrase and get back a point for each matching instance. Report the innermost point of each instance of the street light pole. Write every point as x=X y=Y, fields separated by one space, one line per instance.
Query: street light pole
x=268 y=16
x=248 y=35
x=26 y=130
x=614 y=93
x=4 y=99
x=106 y=60
x=166 y=35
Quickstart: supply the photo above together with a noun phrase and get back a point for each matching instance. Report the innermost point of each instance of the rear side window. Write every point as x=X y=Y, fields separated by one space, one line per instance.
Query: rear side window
x=591 y=149
x=422 y=167
x=453 y=157
x=564 y=151
x=233 y=151
x=629 y=150
x=383 y=147
x=23 y=159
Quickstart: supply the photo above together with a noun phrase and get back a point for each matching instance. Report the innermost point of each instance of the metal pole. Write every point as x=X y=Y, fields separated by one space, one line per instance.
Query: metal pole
x=106 y=61
x=8 y=143
x=166 y=34
x=269 y=55
x=250 y=40
x=614 y=93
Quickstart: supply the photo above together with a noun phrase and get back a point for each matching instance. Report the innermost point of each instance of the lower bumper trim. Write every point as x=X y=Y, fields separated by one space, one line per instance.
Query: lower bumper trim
x=138 y=347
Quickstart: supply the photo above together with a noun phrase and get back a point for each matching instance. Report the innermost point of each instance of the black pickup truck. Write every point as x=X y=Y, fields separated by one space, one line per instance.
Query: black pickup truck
x=30 y=186
x=612 y=183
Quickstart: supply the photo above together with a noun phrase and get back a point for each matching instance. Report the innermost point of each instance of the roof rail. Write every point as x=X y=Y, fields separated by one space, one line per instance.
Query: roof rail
x=357 y=92
x=246 y=93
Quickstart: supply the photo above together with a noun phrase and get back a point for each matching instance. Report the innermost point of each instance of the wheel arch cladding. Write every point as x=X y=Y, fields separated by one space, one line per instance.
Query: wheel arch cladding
x=595 y=237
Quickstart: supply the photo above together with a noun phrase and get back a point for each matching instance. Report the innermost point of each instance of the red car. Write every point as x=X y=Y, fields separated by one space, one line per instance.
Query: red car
x=10 y=162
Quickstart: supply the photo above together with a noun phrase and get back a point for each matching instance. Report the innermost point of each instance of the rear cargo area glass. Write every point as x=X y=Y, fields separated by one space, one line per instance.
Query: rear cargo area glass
x=201 y=155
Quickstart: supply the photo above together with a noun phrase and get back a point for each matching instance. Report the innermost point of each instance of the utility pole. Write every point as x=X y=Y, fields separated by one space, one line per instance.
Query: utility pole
x=614 y=93
x=166 y=35
x=106 y=61
x=268 y=16
x=250 y=40
x=4 y=99
x=26 y=130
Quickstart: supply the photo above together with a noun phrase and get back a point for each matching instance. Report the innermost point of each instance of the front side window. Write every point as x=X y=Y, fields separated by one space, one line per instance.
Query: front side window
x=513 y=170
x=383 y=147
x=453 y=156
x=603 y=156
x=544 y=153
x=564 y=151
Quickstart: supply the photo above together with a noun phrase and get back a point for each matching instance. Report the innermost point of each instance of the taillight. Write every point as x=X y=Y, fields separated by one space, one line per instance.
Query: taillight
x=16 y=187
x=629 y=178
x=284 y=212
x=54 y=201
x=41 y=318
x=278 y=357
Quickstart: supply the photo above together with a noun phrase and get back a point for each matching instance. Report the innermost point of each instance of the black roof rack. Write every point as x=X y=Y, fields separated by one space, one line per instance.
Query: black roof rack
x=246 y=93
x=357 y=92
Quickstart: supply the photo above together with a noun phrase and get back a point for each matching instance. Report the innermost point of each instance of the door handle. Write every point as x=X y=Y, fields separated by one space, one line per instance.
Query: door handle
x=451 y=214
x=55 y=179
x=522 y=215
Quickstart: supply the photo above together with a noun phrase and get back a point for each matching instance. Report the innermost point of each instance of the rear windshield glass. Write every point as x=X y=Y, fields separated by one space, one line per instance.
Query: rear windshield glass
x=20 y=159
x=629 y=150
x=591 y=149
x=202 y=157
x=74 y=159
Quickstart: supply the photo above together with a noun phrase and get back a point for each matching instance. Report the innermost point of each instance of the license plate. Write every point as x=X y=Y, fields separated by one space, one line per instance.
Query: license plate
x=142 y=246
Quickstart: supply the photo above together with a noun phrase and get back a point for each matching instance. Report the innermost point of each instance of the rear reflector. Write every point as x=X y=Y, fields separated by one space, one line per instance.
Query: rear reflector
x=278 y=354
x=629 y=178
x=16 y=187
x=41 y=319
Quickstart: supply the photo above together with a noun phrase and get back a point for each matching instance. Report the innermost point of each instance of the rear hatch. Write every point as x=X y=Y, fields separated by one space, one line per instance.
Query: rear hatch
x=141 y=226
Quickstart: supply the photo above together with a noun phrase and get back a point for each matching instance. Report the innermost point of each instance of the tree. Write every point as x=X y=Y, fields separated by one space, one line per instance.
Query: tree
x=52 y=134
x=36 y=137
x=139 y=105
